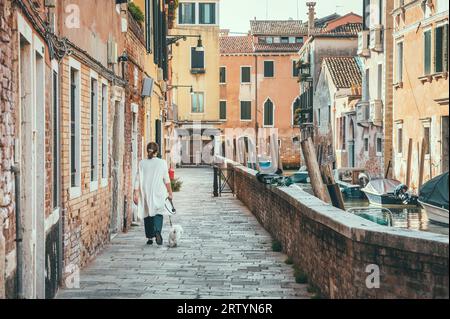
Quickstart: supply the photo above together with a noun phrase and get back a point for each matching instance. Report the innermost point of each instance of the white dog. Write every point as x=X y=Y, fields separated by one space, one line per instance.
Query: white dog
x=174 y=236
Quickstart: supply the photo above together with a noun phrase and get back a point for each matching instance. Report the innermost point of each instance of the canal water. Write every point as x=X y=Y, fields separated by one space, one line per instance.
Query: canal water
x=411 y=218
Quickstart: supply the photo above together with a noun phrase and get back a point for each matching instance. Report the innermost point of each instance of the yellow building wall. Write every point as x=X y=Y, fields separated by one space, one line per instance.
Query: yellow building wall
x=181 y=66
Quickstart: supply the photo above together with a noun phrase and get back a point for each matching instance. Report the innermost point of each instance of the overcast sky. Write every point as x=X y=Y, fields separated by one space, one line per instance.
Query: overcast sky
x=236 y=14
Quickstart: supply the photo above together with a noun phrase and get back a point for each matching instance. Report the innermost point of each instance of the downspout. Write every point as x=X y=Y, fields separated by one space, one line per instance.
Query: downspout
x=256 y=108
x=19 y=240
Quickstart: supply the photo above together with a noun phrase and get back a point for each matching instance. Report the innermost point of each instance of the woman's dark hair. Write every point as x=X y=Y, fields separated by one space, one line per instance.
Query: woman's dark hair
x=152 y=150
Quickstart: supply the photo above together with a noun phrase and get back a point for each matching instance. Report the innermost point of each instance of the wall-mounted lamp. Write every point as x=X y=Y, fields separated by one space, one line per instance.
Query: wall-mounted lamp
x=191 y=91
x=174 y=39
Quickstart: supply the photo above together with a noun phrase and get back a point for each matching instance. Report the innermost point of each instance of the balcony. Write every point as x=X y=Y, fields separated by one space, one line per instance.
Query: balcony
x=363 y=113
x=363 y=43
x=376 y=112
x=376 y=38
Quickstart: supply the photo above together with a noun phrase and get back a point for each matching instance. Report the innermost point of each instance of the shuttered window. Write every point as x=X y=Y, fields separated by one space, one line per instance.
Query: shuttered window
x=441 y=49
x=207 y=13
x=245 y=74
x=246 y=111
x=197 y=59
x=295 y=69
x=427 y=52
x=223 y=110
x=198 y=102
x=186 y=13
x=296 y=116
x=223 y=75
x=268 y=69
x=268 y=113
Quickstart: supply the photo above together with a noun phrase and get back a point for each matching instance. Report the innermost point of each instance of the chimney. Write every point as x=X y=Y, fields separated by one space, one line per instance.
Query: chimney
x=311 y=17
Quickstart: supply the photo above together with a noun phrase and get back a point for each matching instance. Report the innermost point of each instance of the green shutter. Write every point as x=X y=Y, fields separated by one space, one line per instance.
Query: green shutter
x=438 y=50
x=427 y=52
x=223 y=110
x=445 y=48
x=268 y=113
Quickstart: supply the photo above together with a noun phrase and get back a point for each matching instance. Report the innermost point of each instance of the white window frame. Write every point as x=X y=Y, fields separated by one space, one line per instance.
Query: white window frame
x=292 y=69
x=94 y=179
x=190 y=59
x=399 y=126
x=427 y=124
x=204 y=103
x=55 y=69
x=197 y=9
x=75 y=191
x=105 y=129
x=398 y=65
x=240 y=74
x=366 y=137
x=240 y=111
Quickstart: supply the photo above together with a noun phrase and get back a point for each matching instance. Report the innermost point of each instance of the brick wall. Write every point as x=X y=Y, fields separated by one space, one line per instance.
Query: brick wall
x=334 y=248
x=7 y=129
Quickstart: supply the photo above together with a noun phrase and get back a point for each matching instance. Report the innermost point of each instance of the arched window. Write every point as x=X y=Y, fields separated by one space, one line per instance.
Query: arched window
x=268 y=113
x=296 y=116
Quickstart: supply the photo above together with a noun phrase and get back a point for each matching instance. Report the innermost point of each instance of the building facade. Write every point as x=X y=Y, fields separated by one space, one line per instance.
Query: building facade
x=194 y=50
x=420 y=96
x=259 y=79
x=80 y=94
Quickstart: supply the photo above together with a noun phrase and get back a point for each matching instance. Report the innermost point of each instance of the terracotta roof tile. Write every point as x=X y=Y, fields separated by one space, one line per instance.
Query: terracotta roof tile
x=278 y=27
x=278 y=47
x=236 y=44
x=345 y=71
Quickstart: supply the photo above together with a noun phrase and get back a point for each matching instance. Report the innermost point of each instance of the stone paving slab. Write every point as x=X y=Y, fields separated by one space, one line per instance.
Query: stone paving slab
x=224 y=253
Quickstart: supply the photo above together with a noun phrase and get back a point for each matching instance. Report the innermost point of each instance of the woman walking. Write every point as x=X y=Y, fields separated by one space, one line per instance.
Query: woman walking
x=151 y=189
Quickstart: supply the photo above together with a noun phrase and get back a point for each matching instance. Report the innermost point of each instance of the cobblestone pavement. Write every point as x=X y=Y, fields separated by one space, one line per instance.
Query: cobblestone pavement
x=224 y=253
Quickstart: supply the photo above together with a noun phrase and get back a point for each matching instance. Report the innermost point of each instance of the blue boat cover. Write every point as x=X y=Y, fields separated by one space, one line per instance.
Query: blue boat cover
x=435 y=192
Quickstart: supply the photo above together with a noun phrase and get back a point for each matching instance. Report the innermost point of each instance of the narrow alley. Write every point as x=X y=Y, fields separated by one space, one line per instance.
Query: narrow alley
x=224 y=253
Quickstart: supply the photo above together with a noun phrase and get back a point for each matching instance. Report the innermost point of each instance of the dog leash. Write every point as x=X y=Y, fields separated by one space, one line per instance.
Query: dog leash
x=172 y=211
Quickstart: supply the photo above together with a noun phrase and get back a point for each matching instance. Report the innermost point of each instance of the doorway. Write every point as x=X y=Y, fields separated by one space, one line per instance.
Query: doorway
x=134 y=155
x=117 y=155
x=351 y=145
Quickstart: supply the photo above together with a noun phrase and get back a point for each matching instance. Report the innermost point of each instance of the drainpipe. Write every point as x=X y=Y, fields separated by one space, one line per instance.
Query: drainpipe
x=19 y=254
x=256 y=108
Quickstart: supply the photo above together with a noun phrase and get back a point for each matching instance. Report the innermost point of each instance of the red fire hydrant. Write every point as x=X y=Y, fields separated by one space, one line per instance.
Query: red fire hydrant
x=171 y=174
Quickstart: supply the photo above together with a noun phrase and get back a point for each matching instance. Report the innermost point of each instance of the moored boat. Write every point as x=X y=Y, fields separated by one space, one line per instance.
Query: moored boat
x=300 y=177
x=381 y=192
x=434 y=198
x=351 y=181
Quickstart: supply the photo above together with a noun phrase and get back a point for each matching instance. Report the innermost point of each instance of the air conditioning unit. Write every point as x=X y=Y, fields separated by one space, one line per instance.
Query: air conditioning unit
x=147 y=87
x=376 y=38
x=376 y=112
x=363 y=43
x=112 y=52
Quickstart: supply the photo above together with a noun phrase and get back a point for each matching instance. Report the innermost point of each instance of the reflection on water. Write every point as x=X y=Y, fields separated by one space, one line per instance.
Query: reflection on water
x=411 y=218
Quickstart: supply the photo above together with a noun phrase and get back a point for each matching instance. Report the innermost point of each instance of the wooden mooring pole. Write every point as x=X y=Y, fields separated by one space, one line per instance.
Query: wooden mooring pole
x=309 y=153
x=335 y=192
x=408 y=164
x=422 y=162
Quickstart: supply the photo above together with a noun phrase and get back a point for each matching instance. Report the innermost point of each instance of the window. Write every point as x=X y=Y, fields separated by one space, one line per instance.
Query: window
x=379 y=146
x=262 y=40
x=366 y=144
x=104 y=131
x=268 y=113
x=319 y=117
x=197 y=59
x=296 y=113
x=94 y=130
x=223 y=110
x=427 y=138
x=207 y=13
x=223 y=75
x=329 y=114
x=277 y=40
x=268 y=69
x=427 y=52
x=399 y=74
x=198 y=102
x=186 y=13
x=367 y=85
x=269 y=40
x=441 y=49
x=245 y=74
x=75 y=172
x=299 y=40
x=246 y=111
x=295 y=69
x=400 y=140
x=56 y=137
x=291 y=39
x=285 y=40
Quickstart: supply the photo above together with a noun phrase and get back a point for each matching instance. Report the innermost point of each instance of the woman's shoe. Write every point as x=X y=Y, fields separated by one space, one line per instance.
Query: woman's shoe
x=150 y=242
x=159 y=239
